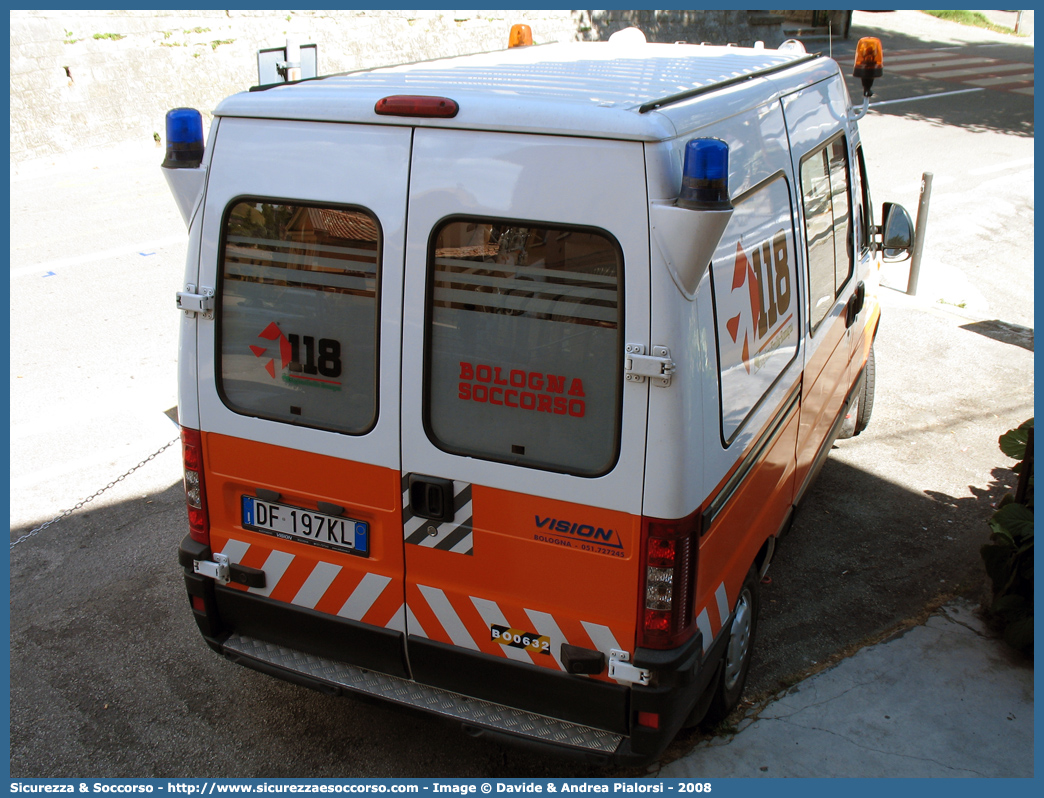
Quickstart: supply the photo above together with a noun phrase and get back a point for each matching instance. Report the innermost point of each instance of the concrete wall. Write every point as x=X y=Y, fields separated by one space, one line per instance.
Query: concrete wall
x=716 y=27
x=87 y=79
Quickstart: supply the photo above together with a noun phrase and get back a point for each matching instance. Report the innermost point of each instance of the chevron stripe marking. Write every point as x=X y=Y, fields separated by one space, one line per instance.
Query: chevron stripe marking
x=449 y=536
x=316 y=585
x=722 y=597
x=545 y=624
x=255 y=557
x=274 y=567
x=602 y=636
x=294 y=576
x=493 y=616
x=447 y=616
x=234 y=550
x=703 y=624
x=363 y=597
x=398 y=621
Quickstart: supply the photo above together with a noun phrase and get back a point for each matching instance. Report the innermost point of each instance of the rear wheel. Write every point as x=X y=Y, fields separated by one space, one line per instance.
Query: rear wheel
x=732 y=672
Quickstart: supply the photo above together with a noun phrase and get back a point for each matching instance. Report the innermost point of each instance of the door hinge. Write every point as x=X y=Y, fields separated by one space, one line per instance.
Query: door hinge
x=621 y=669
x=218 y=569
x=658 y=366
x=193 y=303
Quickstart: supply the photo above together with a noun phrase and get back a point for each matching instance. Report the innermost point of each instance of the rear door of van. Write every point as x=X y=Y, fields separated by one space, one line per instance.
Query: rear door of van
x=298 y=382
x=420 y=431
x=522 y=443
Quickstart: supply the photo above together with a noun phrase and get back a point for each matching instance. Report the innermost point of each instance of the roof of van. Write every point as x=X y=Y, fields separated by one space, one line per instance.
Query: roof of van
x=600 y=89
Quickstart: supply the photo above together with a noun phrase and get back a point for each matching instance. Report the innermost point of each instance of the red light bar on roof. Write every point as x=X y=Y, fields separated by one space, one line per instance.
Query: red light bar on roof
x=415 y=105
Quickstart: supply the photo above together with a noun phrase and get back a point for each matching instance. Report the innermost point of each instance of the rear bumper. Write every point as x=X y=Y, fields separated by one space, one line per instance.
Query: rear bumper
x=489 y=695
x=325 y=673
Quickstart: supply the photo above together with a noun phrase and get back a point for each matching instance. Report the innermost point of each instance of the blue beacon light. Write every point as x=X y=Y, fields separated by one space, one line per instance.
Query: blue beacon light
x=705 y=176
x=184 y=139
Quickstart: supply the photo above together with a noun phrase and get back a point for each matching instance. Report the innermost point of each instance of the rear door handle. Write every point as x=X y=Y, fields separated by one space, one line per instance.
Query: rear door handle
x=855 y=304
x=431 y=497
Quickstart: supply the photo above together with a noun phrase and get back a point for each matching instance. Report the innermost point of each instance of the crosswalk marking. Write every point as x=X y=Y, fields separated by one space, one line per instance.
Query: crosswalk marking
x=979 y=71
x=914 y=55
x=933 y=62
x=960 y=73
x=994 y=82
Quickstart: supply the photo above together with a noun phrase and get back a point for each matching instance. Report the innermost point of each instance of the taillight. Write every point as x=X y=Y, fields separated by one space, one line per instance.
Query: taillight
x=669 y=553
x=195 y=489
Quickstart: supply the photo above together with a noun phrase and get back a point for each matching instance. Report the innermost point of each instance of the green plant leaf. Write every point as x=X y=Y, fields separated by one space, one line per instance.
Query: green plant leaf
x=1000 y=535
x=1009 y=555
x=996 y=558
x=1019 y=634
x=1016 y=519
x=1026 y=547
x=1013 y=442
x=1012 y=607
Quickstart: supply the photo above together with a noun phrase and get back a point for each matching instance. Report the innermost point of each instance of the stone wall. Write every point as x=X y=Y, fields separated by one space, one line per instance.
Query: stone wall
x=86 y=79
x=742 y=28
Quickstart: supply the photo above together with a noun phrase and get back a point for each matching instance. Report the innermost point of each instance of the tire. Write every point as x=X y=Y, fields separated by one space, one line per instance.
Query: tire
x=732 y=672
x=866 y=401
x=862 y=406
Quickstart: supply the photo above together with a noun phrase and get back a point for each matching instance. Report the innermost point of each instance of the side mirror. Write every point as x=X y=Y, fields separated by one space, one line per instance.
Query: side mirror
x=898 y=236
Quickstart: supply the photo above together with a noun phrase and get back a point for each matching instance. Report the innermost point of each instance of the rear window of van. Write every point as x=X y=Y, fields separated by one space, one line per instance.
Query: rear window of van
x=523 y=349
x=297 y=334
x=756 y=305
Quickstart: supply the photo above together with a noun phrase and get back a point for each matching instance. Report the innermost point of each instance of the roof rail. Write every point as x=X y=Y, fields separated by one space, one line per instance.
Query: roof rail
x=757 y=73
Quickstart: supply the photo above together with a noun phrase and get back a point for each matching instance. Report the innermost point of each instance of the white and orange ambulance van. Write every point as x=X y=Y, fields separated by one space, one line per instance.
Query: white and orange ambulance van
x=500 y=375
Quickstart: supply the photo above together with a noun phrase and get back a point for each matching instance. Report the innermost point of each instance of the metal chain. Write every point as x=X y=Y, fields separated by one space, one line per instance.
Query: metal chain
x=91 y=498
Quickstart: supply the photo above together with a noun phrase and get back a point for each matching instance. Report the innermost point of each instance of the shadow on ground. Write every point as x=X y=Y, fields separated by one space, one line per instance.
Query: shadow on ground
x=110 y=678
x=1014 y=334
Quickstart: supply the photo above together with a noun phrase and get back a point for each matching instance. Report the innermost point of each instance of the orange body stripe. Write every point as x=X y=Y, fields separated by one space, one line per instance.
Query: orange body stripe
x=425 y=617
x=340 y=589
x=293 y=577
x=384 y=608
